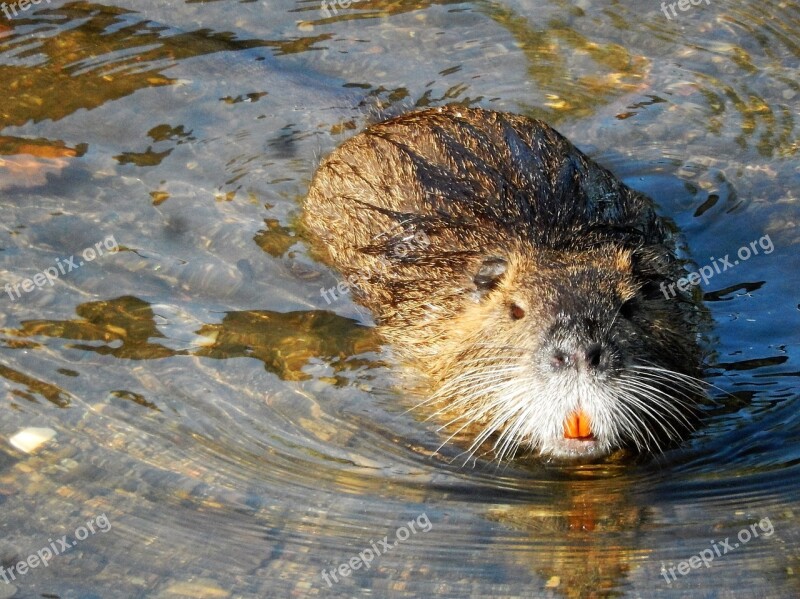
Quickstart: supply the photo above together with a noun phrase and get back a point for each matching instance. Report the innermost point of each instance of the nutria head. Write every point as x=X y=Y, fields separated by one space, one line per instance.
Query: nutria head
x=569 y=354
x=534 y=306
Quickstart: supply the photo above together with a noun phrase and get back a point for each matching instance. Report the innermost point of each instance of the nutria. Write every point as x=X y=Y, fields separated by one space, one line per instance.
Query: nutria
x=529 y=286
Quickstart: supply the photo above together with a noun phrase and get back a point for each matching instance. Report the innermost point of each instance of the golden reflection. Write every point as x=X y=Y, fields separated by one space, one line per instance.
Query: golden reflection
x=43 y=148
x=552 y=50
x=771 y=126
x=287 y=342
x=27 y=162
x=35 y=387
x=275 y=239
x=125 y=327
x=583 y=538
x=95 y=54
x=558 y=57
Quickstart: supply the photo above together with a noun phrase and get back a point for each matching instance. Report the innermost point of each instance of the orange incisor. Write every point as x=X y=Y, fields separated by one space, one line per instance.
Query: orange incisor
x=578 y=425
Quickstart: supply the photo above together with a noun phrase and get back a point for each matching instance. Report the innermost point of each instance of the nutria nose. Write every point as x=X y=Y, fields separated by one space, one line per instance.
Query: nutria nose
x=588 y=358
x=593 y=354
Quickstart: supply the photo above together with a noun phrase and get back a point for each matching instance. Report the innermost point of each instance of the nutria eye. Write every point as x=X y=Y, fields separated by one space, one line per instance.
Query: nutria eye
x=517 y=311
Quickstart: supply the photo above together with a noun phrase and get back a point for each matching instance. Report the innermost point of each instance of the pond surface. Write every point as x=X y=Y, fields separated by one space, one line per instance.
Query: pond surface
x=220 y=430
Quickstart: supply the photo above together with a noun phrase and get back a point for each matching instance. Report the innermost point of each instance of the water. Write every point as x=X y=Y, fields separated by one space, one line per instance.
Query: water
x=241 y=435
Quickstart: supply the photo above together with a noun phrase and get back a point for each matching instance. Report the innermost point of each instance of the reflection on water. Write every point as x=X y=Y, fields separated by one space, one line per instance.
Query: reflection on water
x=240 y=433
x=285 y=342
x=603 y=70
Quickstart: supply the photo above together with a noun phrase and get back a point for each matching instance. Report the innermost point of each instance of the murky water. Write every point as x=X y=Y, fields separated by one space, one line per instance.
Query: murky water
x=238 y=434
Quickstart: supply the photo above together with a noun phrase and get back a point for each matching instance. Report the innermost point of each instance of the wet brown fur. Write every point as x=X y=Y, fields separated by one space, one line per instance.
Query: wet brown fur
x=476 y=185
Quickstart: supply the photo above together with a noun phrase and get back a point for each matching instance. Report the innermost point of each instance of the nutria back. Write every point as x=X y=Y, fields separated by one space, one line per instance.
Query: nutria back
x=524 y=280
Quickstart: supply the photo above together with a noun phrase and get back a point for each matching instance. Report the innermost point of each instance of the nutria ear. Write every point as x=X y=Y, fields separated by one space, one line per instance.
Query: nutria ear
x=489 y=273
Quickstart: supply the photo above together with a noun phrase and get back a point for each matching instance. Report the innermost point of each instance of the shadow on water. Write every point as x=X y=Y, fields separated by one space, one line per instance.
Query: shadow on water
x=242 y=433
